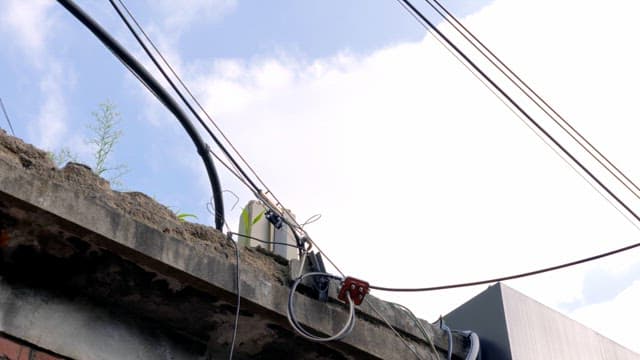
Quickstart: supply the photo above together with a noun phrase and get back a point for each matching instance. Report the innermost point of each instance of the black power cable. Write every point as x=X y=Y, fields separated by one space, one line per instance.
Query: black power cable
x=263 y=241
x=175 y=88
x=502 y=92
x=163 y=96
x=530 y=93
x=416 y=13
x=245 y=178
x=191 y=95
x=510 y=277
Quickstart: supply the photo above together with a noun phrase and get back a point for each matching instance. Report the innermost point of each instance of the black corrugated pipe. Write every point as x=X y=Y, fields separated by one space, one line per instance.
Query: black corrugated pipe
x=150 y=82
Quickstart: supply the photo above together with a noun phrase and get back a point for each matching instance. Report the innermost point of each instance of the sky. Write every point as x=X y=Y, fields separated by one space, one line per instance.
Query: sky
x=351 y=110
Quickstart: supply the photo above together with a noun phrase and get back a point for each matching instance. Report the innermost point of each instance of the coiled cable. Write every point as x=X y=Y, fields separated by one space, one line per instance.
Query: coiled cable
x=346 y=329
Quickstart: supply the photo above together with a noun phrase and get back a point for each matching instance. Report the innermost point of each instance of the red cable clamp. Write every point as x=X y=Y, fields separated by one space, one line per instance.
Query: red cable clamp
x=357 y=290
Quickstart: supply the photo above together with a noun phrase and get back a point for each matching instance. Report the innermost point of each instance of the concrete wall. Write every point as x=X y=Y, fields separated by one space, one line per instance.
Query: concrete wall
x=92 y=252
x=78 y=329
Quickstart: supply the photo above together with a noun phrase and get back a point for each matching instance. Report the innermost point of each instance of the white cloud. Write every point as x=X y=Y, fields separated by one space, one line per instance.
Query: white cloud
x=30 y=22
x=422 y=176
x=179 y=15
x=29 y=26
x=609 y=316
x=50 y=125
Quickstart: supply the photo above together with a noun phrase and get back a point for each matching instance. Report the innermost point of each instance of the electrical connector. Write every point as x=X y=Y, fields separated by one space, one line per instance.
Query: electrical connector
x=356 y=288
x=274 y=218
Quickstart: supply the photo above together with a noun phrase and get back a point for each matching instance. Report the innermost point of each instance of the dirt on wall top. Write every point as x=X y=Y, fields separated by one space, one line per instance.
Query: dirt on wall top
x=135 y=205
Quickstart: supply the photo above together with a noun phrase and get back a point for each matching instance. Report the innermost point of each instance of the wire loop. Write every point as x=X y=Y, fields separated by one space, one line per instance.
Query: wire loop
x=346 y=329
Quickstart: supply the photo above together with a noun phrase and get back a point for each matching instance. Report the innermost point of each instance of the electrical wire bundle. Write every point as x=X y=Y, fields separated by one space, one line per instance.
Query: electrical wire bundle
x=276 y=212
x=279 y=216
x=538 y=129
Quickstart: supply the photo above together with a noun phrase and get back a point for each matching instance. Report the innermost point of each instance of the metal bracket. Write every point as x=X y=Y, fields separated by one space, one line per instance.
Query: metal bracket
x=274 y=218
x=320 y=283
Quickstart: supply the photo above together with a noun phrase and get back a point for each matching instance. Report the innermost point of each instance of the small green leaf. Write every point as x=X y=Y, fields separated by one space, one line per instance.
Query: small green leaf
x=245 y=221
x=257 y=218
x=183 y=216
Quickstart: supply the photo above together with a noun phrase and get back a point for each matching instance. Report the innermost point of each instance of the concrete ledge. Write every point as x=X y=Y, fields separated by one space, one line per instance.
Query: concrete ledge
x=208 y=265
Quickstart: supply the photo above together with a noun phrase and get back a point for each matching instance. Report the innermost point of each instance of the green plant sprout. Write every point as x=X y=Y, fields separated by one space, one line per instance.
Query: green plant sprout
x=62 y=156
x=105 y=135
x=248 y=223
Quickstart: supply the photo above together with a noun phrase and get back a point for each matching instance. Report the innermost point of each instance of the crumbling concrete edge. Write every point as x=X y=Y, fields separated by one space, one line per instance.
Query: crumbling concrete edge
x=147 y=246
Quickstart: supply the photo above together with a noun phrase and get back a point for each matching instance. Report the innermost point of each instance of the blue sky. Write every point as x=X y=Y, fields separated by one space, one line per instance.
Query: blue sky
x=67 y=72
x=348 y=109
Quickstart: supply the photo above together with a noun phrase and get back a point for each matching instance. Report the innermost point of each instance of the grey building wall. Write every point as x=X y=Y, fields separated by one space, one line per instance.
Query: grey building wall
x=484 y=315
x=511 y=325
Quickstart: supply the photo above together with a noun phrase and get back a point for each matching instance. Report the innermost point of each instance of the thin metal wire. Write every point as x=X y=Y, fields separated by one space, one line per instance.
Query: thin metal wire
x=422 y=329
x=300 y=276
x=263 y=241
x=346 y=329
x=520 y=109
x=510 y=277
x=526 y=123
x=414 y=351
x=572 y=166
x=182 y=97
x=191 y=95
x=268 y=205
x=539 y=135
x=534 y=97
x=6 y=116
x=246 y=181
x=238 y=296
x=164 y=97
x=327 y=257
x=235 y=196
x=311 y=219
x=231 y=170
